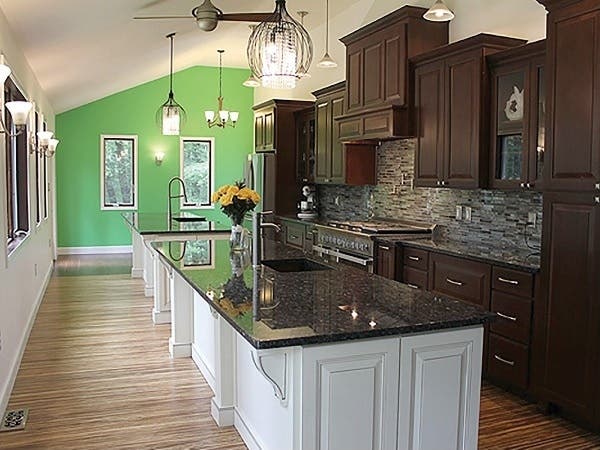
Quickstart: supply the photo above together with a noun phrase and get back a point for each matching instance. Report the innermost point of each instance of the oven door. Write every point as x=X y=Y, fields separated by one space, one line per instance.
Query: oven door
x=360 y=262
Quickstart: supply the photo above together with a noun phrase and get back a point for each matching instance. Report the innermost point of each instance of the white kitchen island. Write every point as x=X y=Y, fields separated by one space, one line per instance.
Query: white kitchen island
x=330 y=359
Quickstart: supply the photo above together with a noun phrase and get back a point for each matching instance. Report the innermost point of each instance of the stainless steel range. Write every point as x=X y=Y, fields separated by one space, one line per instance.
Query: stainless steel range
x=354 y=241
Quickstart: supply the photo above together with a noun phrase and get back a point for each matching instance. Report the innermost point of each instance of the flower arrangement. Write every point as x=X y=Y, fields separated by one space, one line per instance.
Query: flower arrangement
x=236 y=200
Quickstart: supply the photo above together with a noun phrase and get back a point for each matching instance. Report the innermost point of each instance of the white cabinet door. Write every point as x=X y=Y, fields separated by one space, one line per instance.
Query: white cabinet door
x=350 y=395
x=440 y=382
x=203 y=347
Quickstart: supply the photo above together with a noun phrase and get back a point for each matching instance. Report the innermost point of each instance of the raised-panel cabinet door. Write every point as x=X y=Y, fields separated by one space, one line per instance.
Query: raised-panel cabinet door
x=354 y=80
x=337 y=161
x=350 y=395
x=566 y=338
x=429 y=114
x=374 y=72
x=386 y=261
x=396 y=66
x=323 y=148
x=259 y=132
x=463 y=117
x=439 y=372
x=269 y=130
x=573 y=141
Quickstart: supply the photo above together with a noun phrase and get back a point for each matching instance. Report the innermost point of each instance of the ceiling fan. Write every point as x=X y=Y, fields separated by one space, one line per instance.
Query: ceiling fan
x=207 y=16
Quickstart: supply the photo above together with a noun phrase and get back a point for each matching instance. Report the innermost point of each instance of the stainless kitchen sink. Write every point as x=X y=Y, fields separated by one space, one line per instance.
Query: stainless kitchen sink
x=294 y=265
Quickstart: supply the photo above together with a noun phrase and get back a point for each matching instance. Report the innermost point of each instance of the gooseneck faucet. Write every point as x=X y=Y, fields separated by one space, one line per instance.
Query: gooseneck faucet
x=172 y=196
x=257 y=227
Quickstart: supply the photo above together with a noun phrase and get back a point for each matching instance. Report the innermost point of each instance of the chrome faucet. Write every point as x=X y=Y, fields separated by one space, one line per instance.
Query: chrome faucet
x=172 y=196
x=257 y=227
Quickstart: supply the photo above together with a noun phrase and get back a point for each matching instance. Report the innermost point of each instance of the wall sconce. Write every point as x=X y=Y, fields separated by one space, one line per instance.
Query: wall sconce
x=158 y=158
x=19 y=111
x=45 y=145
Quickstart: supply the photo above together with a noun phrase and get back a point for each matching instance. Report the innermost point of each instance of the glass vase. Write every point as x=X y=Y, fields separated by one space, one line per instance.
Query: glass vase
x=238 y=240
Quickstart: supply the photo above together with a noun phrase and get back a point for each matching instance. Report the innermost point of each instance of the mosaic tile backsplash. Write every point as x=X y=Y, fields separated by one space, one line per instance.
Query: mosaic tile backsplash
x=498 y=217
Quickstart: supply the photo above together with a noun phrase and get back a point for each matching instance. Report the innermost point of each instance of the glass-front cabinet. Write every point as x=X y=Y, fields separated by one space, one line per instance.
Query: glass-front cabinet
x=518 y=117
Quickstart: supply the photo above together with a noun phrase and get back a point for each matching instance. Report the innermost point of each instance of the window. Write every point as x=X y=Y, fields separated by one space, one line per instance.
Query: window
x=197 y=170
x=17 y=174
x=119 y=172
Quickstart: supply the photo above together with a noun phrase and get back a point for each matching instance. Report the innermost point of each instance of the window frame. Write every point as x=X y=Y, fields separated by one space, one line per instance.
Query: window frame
x=16 y=189
x=211 y=183
x=45 y=188
x=37 y=167
x=134 y=138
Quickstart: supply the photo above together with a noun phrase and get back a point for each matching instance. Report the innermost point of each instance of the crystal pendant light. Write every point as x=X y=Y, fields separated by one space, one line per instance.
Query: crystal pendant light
x=222 y=117
x=327 y=61
x=439 y=12
x=171 y=116
x=251 y=82
x=280 y=50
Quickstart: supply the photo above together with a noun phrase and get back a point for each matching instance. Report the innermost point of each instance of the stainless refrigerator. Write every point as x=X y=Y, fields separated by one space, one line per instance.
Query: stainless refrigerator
x=260 y=174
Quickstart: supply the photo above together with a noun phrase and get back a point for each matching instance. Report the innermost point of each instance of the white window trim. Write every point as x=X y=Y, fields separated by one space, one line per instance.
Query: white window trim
x=134 y=137
x=183 y=139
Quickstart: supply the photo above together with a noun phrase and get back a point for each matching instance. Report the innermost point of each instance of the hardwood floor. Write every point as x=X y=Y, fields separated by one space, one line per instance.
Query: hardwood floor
x=96 y=374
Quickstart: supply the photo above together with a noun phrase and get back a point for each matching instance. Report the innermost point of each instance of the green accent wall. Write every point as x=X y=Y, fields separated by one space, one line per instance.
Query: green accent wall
x=81 y=222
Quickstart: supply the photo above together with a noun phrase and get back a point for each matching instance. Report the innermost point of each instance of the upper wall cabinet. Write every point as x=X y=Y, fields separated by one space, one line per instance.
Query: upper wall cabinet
x=518 y=117
x=573 y=78
x=451 y=111
x=377 y=74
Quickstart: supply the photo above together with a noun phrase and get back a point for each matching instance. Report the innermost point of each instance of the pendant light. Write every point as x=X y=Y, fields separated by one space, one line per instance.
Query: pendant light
x=251 y=82
x=280 y=50
x=222 y=117
x=303 y=72
x=171 y=116
x=439 y=12
x=327 y=61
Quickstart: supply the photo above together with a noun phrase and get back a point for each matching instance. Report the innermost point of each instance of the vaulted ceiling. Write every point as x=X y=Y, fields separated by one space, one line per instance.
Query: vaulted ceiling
x=84 y=50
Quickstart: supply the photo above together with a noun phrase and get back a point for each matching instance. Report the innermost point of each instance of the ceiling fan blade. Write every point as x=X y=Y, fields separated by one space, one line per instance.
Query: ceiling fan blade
x=152 y=3
x=161 y=17
x=249 y=17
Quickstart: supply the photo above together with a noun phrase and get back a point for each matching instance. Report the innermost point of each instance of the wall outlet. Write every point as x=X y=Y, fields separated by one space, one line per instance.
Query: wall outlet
x=468 y=214
x=532 y=219
x=459 y=212
x=336 y=200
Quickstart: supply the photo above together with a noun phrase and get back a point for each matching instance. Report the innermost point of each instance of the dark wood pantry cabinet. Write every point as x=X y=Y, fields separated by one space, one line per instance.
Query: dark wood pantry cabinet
x=451 y=110
x=305 y=145
x=377 y=92
x=518 y=123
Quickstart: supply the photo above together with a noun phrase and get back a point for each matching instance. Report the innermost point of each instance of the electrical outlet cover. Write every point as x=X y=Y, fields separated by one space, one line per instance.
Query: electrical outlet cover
x=459 y=212
x=468 y=214
x=532 y=218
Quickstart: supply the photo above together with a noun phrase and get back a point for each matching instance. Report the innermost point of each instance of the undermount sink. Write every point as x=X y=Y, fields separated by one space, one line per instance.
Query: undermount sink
x=188 y=219
x=294 y=265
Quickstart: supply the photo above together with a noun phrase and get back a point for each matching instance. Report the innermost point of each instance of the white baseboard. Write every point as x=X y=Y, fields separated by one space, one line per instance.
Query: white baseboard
x=102 y=250
x=161 y=317
x=137 y=273
x=179 y=350
x=14 y=370
x=148 y=291
x=202 y=367
x=224 y=417
x=246 y=434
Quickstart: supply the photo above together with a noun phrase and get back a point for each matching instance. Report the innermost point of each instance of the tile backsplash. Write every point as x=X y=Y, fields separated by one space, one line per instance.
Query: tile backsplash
x=498 y=217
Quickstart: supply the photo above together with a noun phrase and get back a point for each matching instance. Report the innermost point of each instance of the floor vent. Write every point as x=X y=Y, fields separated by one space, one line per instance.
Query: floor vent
x=14 y=420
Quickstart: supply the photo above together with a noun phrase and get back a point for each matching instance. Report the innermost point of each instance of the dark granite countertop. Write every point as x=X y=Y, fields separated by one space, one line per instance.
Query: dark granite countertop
x=510 y=257
x=158 y=223
x=273 y=309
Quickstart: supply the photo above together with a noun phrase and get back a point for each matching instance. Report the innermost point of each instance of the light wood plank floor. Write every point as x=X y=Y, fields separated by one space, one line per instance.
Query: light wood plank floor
x=96 y=375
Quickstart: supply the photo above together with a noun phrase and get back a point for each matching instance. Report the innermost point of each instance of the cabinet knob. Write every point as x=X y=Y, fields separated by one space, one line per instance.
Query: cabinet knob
x=598 y=186
x=444 y=183
x=439 y=183
x=529 y=185
x=597 y=200
x=523 y=185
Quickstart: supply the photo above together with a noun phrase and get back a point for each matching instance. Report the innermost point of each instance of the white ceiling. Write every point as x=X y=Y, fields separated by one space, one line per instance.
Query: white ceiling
x=83 y=50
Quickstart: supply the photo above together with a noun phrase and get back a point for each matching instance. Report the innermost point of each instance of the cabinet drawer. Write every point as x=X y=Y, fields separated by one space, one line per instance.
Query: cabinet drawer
x=418 y=259
x=460 y=278
x=415 y=278
x=294 y=235
x=508 y=361
x=514 y=317
x=513 y=282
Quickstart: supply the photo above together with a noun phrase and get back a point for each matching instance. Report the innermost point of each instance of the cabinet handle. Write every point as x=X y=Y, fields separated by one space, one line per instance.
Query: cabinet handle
x=523 y=185
x=504 y=316
x=293 y=236
x=444 y=183
x=455 y=283
x=598 y=186
x=413 y=286
x=597 y=199
x=505 y=361
x=414 y=258
x=439 y=183
x=530 y=185
x=383 y=247
x=506 y=280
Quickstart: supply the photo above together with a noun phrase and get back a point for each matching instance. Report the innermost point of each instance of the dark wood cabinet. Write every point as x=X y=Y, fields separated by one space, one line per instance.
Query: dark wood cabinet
x=451 y=106
x=275 y=130
x=567 y=326
x=386 y=261
x=305 y=145
x=517 y=117
x=377 y=92
x=573 y=78
x=336 y=162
